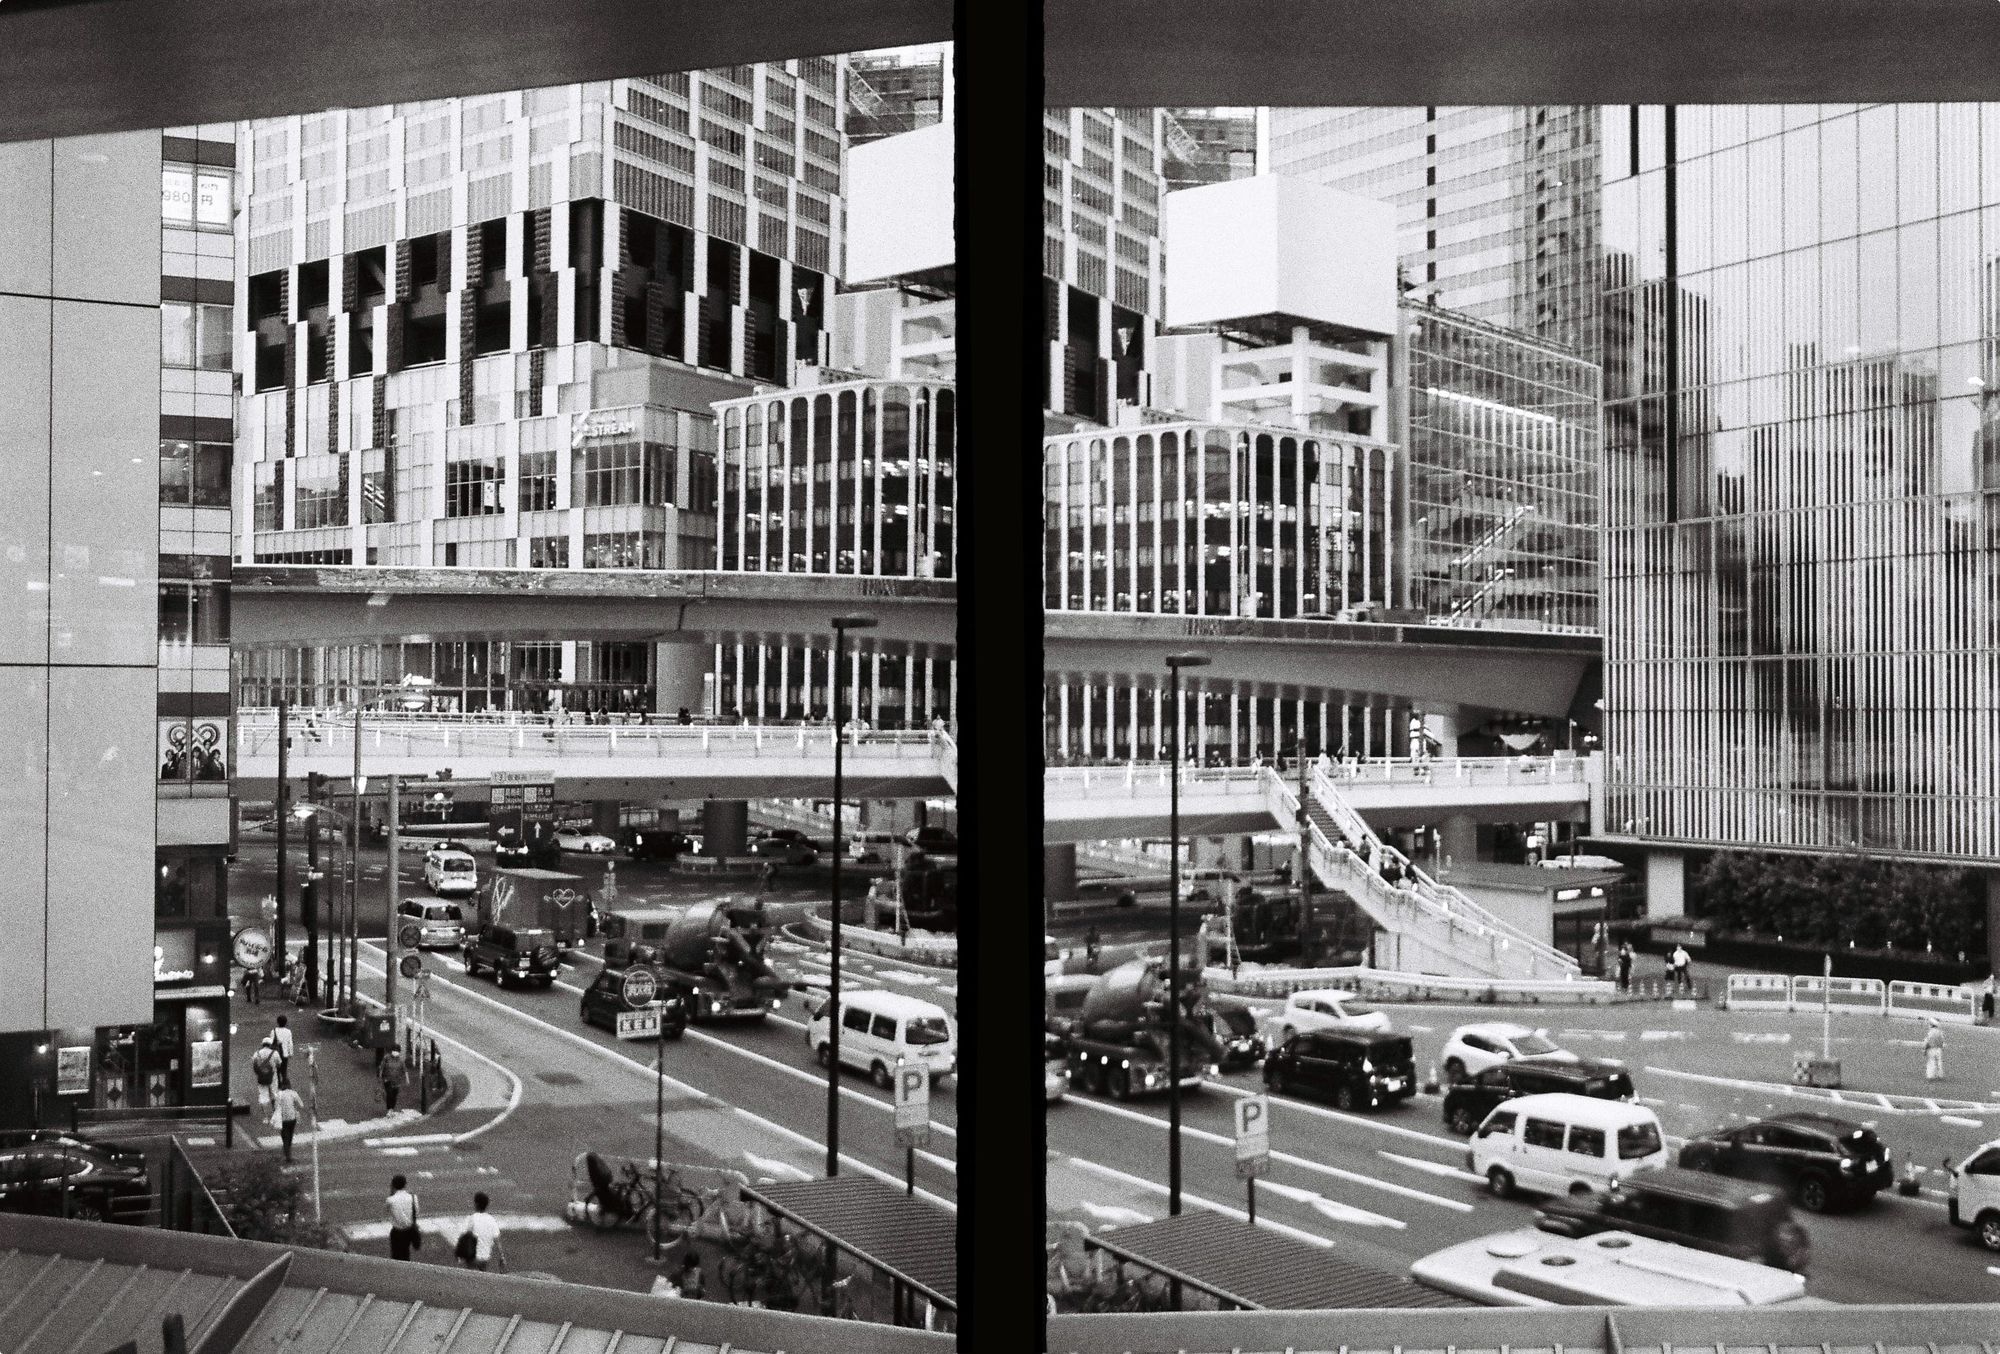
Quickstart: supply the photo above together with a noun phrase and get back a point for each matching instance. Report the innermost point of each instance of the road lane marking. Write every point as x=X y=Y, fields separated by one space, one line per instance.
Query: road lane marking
x=1961 y=1121
x=1434 y=1167
x=1330 y=1208
x=414 y=1140
x=768 y=1166
x=1305 y=1107
x=1290 y=1159
x=509 y=1222
x=1654 y=1036
x=398 y=1151
x=633 y=1064
x=1152 y=1187
x=798 y=1073
x=1112 y=1215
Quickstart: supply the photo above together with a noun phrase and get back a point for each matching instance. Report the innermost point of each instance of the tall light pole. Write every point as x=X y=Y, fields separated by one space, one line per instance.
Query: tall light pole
x=841 y=625
x=1175 y=662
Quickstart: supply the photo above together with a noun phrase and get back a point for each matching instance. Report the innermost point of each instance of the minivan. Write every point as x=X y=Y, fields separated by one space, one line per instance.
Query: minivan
x=878 y=1030
x=1564 y=1144
x=1356 y=1069
x=439 y=925
x=1975 y=1195
x=1690 y=1208
x=1467 y=1103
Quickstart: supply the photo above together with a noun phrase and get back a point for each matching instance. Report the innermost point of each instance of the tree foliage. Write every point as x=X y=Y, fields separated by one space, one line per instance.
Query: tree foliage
x=1841 y=901
x=262 y=1203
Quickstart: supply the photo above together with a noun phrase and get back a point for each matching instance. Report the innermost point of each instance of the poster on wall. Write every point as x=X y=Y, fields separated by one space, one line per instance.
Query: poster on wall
x=194 y=749
x=205 y=1062
x=73 y=1070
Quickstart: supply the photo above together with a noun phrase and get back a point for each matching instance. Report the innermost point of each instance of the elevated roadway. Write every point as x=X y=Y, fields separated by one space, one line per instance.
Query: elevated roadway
x=607 y=762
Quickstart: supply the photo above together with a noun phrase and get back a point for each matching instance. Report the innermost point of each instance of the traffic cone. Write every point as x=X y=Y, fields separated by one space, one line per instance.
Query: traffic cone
x=1431 y=1081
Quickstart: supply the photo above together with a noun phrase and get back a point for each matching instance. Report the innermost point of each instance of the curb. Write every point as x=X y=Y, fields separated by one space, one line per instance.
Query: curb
x=1873 y=1102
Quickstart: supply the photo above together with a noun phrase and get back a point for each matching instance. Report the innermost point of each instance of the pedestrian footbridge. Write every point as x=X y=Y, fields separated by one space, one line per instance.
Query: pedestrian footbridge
x=606 y=762
x=1425 y=926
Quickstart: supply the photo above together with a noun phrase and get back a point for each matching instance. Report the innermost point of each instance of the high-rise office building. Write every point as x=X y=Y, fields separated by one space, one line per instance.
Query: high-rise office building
x=1102 y=274
x=1802 y=541
x=896 y=93
x=1496 y=208
x=115 y=423
x=1208 y=145
x=490 y=332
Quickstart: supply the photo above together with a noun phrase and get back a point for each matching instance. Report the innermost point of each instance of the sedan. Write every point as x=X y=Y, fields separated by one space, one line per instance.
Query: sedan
x=594 y=843
x=1825 y=1162
x=784 y=851
x=1323 y=1008
x=37 y=1170
x=1474 y=1048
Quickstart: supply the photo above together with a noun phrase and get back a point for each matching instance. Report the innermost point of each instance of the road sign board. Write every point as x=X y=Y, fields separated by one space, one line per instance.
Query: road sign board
x=913 y=1105
x=411 y=966
x=1253 y=1136
x=408 y=935
x=522 y=778
x=643 y=1023
x=639 y=987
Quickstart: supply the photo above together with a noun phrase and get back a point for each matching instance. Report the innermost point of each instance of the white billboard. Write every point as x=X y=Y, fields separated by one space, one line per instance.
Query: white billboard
x=899 y=205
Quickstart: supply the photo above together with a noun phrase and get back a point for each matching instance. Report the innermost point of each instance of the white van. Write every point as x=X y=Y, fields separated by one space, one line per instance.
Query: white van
x=880 y=1029
x=1562 y=1143
x=1975 y=1195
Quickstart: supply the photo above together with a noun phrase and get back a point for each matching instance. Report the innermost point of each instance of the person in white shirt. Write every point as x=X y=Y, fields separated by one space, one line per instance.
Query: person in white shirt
x=404 y=1233
x=287 y=1107
x=485 y=1232
x=281 y=1035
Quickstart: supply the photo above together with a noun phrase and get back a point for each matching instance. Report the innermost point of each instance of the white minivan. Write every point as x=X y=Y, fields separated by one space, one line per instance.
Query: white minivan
x=1975 y=1195
x=1561 y=1143
x=880 y=1029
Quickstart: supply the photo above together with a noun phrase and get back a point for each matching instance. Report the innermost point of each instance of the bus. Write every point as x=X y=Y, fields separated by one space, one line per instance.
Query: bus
x=1530 y=1268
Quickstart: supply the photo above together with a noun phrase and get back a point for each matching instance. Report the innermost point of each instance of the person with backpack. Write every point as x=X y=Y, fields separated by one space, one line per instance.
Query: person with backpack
x=264 y=1066
x=405 y=1234
x=479 y=1244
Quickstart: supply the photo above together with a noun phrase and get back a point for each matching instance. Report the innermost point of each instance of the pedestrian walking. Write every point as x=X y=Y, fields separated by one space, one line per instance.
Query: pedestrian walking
x=685 y=716
x=264 y=1066
x=286 y=1108
x=405 y=1236
x=394 y=1076
x=1093 y=944
x=1934 y=1052
x=253 y=984
x=1683 y=973
x=281 y=1039
x=479 y=1244
x=1625 y=957
x=1986 y=1001
x=770 y=877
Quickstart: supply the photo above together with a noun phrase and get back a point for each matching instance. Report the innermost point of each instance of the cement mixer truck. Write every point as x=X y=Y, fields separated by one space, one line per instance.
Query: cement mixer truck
x=711 y=955
x=1117 y=1041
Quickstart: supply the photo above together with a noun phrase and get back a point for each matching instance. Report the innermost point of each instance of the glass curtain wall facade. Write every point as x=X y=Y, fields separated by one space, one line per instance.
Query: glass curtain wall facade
x=1503 y=437
x=1204 y=519
x=1496 y=208
x=1802 y=554
x=852 y=478
x=458 y=676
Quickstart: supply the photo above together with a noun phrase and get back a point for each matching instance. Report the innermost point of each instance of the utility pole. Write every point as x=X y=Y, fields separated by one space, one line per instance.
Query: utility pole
x=391 y=901
x=284 y=812
x=309 y=895
x=1308 y=935
x=354 y=859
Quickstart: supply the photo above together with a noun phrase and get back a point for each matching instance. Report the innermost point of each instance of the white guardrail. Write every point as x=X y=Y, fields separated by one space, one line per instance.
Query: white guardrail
x=259 y=737
x=1388 y=985
x=1867 y=996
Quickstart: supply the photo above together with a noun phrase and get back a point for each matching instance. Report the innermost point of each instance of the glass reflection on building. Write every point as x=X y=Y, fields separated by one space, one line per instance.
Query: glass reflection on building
x=1803 y=500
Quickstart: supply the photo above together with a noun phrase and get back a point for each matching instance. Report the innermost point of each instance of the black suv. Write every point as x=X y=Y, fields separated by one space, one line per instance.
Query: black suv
x=1825 y=1162
x=1729 y=1217
x=605 y=998
x=1466 y=1103
x=521 y=953
x=1360 y=1069
x=656 y=843
x=38 y=1169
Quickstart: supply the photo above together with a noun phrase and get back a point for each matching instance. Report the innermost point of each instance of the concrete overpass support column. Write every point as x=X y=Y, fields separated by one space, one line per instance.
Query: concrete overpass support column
x=678 y=673
x=1666 y=885
x=1444 y=729
x=1993 y=920
x=725 y=827
x=604 y=817
x=1458 y=839
x=1059 y=873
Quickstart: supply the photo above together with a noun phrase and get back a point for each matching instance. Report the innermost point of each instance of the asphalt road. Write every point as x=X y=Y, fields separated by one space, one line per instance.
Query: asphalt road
x=1390 y=1187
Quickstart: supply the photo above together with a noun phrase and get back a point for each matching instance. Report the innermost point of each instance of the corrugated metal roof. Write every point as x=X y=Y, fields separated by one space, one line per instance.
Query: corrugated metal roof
x=82 y=1288
x=1258 y=1268
x=913 y=1240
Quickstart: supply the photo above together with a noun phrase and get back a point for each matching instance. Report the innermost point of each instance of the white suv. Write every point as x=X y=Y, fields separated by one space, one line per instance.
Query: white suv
x=1474 y=1048
x=1322 y=1008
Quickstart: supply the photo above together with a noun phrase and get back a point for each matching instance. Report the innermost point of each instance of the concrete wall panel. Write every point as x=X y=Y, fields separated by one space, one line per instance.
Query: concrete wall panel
x=25 y=216
x=24 y=695
x=103 y=250
x=24 y=455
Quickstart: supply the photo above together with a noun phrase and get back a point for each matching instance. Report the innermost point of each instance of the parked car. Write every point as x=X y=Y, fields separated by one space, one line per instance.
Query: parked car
x=1564 y=1144
x=1975 y=1195
x=1322 y=1008
x=451 y=874
x=440 y=926
x=1467 y=1103
x=593 y=843
x=101 y=1181
x=1474 y=1048
x=524 y=954
x=1690 y=1208
x=937 y=841
x=1356 y=1069
x=1825 y=1162
x=657 y=843
x=605 y=998
x=784 y=834
x=785 y=851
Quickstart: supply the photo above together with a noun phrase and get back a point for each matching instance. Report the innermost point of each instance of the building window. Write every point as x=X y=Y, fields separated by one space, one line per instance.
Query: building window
x=472 y=487
x=625 y=550
x=548 y=552
x=194 y=613
x=194 y=336
x=618 y=473
x=321 y=497
x=538 y=483
x=191 y=197
x=194 y=474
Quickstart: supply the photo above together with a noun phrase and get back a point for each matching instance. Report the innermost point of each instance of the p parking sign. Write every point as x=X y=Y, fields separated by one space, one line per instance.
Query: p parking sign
x=913 y=1105
x=1253 y=1137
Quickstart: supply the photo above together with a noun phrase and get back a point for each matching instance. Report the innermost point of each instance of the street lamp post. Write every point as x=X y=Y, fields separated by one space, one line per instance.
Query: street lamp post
x=841 y=625
x=1175 y=662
